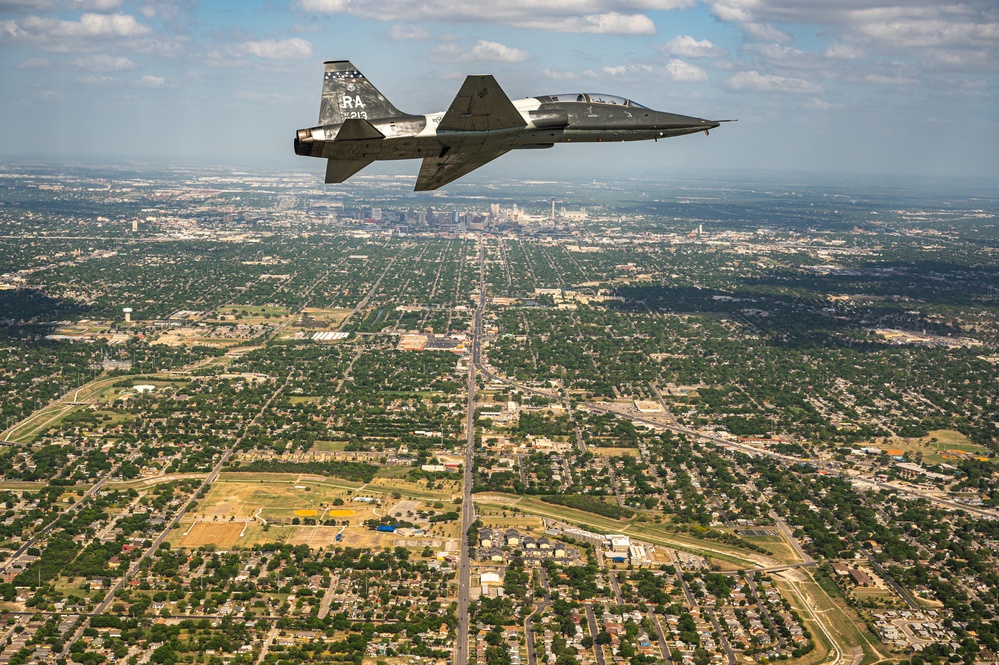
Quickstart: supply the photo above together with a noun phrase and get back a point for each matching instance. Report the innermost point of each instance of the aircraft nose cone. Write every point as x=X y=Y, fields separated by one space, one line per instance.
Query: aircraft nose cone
x=689 y=122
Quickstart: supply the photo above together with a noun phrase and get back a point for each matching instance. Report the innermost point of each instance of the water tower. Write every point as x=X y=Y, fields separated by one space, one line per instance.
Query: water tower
x=128 y=314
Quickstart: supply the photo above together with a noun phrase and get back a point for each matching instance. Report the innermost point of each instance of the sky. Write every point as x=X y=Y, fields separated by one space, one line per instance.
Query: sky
x=879 y=87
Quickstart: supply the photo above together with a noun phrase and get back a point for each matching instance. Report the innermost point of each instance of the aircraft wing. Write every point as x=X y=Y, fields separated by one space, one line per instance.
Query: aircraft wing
x=439 y=171
x=481 y=105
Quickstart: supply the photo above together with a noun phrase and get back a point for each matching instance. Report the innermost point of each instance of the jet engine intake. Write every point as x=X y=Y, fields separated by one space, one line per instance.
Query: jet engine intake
x=553 y=119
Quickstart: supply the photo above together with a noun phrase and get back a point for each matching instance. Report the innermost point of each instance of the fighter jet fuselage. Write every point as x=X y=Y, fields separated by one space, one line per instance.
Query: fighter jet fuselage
x=357 y=126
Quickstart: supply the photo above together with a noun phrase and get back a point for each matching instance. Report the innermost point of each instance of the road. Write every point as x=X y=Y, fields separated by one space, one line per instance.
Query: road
x=532 y=656
x=612 y=576
x=467 y=507
x=324 y=606
x=789 y=536
x=598 y=650
x=663 y=646
x=692 y=604
x=750 y=450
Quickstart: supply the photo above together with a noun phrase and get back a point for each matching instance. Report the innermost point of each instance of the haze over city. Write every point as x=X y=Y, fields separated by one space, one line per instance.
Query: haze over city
x=882 y=87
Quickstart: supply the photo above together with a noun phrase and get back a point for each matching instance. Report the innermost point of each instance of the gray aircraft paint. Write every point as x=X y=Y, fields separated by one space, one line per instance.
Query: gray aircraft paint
x=358 y=125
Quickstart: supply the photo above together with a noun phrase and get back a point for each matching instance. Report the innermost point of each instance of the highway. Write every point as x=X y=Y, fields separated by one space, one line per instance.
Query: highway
x=467 y=507
x=750 y=450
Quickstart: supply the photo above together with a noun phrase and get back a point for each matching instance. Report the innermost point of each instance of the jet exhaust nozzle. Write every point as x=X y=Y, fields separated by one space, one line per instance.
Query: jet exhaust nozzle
x=305 y=143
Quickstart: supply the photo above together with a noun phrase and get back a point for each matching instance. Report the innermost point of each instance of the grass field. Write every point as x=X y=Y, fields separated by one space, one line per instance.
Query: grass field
x=876 y=594
x=221 y=534
x=329 y=446
x=829 y=622
x=278 y=499
x=777 y=546
x=935 y=446
x=326 y=316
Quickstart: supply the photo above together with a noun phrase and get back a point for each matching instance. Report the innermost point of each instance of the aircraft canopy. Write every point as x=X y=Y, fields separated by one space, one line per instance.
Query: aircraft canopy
x=589 y=98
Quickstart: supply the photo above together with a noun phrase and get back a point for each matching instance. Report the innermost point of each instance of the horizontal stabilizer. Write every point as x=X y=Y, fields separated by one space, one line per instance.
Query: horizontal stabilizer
x=357 y=129
x=338 y=170
x=479 y=106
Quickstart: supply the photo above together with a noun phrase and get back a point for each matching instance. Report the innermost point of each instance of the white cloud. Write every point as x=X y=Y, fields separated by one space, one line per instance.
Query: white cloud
x=951 y=36
x=104 y=63
x=100 y=25
x=412 y=32
x=96 y=5
x=686 y=46
x=926 y=32
x=35 y=63
x=845 y=52
x=483 y=51
x=679 y=70
x=93 y=79
x=733 y=10
x=59 y=35
x=151 y=81
x=325 y=6
x=496 y=52
x=626 y=17
x=560 y=75
x=816 y=104
x=766 y=32
x=882 y=79
x=784 y=56
x=273 y=49
x=754 y=81
x=610 y=23
x=23 y=6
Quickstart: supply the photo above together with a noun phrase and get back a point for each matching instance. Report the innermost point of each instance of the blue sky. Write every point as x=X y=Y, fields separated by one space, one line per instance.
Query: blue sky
x=846 y=86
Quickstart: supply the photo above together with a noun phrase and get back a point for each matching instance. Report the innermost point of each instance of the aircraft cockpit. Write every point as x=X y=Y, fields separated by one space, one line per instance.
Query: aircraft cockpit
x=589 y=98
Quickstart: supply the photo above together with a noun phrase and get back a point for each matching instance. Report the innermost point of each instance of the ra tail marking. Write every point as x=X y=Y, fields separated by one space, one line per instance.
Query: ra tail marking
x=347 y=94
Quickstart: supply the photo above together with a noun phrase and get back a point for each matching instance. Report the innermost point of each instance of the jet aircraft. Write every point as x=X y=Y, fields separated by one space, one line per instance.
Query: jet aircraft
x=358 y=125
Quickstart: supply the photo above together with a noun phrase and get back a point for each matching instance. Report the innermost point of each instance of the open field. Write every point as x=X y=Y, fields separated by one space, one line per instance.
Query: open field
x=279 y=501
x=941 y=445
x=416 y=490
x=831 y=624
x=221 y=534
x=250 y=314
x=877 y=594
x=777 y=546
x=329 y=446
x=267 y=478
x=316 y=317
x=614 y=452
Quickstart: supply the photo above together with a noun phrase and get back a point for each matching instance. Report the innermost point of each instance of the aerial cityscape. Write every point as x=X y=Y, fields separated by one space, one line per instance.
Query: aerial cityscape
x=501 y=376
x=251 y=418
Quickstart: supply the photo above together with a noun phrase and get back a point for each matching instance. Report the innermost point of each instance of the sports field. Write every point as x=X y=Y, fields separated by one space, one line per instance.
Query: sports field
x=222 y=535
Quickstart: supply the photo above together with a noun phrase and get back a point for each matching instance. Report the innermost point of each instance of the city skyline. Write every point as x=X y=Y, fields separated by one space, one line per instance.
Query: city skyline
x=863 y=87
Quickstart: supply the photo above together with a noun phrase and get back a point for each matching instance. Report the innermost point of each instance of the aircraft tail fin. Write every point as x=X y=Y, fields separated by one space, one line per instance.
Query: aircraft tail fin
x=348 y=94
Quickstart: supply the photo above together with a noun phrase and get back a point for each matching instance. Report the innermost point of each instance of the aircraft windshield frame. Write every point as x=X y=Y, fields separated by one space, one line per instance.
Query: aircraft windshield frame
x=592 y=98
